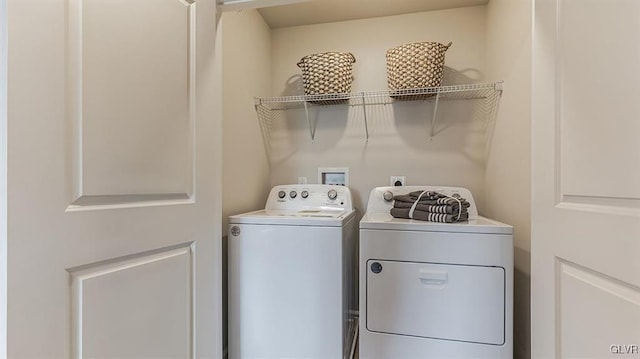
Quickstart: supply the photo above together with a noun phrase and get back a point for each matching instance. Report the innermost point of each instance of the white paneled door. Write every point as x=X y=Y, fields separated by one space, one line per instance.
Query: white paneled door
x=113 y=245
x=586 y=179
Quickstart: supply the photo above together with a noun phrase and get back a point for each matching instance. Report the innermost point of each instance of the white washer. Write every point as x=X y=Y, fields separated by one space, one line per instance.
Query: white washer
x=434 y=290
x=293 y=275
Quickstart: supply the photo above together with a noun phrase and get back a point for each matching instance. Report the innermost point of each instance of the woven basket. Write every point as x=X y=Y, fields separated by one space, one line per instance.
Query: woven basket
x=327 y=73
x=416 y=65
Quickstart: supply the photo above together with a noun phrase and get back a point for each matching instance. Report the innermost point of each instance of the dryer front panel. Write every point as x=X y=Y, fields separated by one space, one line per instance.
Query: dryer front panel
x=440 y=301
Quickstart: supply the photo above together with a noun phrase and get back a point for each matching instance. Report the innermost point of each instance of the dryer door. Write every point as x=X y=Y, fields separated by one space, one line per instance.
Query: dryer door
x=439 y=301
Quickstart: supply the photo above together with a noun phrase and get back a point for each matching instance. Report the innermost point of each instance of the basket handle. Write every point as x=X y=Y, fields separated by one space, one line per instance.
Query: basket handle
x=449 y=44
x=353 y=57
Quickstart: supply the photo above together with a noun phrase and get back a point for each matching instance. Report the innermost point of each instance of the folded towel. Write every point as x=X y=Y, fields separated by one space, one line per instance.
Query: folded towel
x=430 y=206
x=431 y=198
x=428 y=216
x=453 y=208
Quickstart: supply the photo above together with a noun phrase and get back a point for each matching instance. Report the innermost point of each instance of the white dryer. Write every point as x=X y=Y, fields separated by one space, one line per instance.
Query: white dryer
x=293 y=275
x=434 y=290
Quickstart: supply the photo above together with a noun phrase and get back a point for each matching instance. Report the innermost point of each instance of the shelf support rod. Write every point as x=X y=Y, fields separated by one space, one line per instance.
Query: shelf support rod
x=435 y=111
x=364 y=113
x=306 y=111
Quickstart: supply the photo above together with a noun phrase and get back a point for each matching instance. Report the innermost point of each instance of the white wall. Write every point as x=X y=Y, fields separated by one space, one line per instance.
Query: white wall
x=508 y=177
x=3 y=177
x=246 y=73
x=399 y=141
x=246 y=51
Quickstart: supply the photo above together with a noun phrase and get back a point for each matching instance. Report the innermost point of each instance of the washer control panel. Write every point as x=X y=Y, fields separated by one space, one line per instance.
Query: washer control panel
x=298 y=197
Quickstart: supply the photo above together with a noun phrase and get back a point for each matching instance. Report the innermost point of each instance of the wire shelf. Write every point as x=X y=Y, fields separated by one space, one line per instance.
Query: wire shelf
x=489 y=94
x=454 y=92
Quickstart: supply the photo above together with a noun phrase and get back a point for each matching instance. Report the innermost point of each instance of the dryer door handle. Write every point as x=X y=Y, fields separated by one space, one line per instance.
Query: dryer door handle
x=432 y=278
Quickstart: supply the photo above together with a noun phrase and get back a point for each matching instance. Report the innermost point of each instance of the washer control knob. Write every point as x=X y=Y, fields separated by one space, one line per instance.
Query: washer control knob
x=304 y=194
x=388 y=196
x=282 y=194
x=293 y=194
x=332 y=194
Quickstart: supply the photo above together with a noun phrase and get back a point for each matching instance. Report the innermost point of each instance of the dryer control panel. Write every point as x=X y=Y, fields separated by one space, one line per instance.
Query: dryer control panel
x=309 y=197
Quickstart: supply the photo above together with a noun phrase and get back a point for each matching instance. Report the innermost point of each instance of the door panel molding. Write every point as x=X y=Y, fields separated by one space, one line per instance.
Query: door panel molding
x=238 y=5
x=111 y=110
x=606 y=205
x=595 y=131
x=91 y=203
x=581 y=295
x=567 y=196
x=135 y=274
x=611 y=285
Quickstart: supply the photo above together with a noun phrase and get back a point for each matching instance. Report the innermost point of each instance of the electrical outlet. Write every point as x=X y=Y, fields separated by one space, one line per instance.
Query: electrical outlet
x=397 y=180
x=302 y=180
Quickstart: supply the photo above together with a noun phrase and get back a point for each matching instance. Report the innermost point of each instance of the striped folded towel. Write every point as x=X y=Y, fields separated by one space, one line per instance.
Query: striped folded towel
x=453 y=208
x=430 y=198
x=430 y=206
x=428 y=216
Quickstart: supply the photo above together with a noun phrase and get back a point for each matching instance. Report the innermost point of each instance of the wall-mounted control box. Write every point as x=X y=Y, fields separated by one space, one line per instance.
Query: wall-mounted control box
x=338 y=176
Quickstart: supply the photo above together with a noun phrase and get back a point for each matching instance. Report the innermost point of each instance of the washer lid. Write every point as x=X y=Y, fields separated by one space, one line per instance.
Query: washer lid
x=322 y=217
x=384 y=221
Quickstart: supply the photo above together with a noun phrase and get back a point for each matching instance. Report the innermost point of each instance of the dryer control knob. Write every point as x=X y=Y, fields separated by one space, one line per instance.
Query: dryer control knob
x=293 y=194
x=281 y=194
x=388 y=196
x=332 y=194
x=304 y=194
